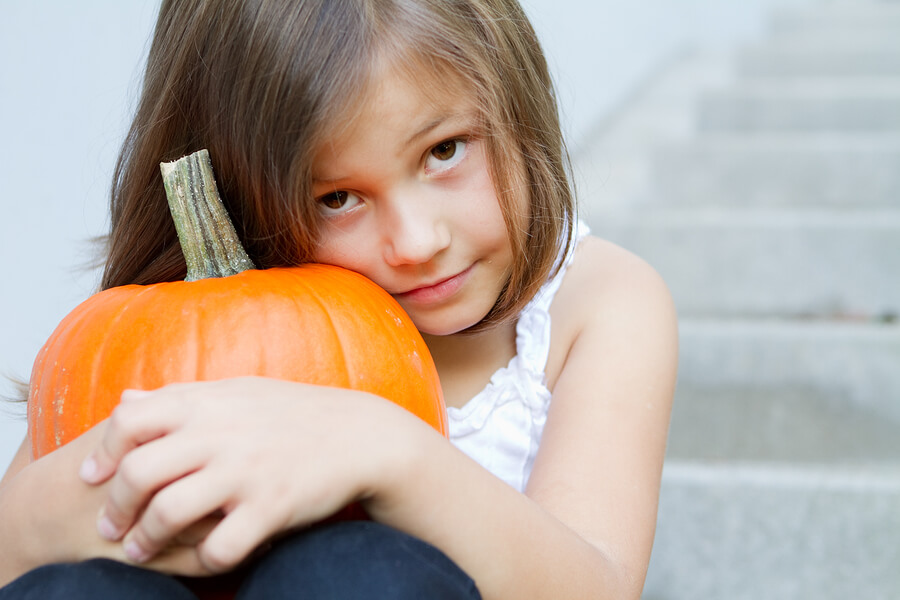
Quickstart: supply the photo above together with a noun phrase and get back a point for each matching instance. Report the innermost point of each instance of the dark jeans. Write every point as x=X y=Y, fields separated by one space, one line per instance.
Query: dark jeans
x=343 y=561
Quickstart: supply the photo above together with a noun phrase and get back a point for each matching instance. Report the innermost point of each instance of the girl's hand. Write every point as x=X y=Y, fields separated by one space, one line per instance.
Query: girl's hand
x=265 y=455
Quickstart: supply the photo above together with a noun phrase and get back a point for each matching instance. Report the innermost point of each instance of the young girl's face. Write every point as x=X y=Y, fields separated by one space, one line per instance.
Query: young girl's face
x=407 y=199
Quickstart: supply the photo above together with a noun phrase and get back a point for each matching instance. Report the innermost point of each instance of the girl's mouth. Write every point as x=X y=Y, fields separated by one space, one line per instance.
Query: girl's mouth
x=436 y=292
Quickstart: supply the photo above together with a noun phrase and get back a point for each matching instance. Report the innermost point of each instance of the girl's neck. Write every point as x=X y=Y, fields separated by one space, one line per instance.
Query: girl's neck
x=465 y=363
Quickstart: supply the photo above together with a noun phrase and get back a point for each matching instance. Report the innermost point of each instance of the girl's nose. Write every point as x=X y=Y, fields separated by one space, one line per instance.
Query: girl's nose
x=414 y=233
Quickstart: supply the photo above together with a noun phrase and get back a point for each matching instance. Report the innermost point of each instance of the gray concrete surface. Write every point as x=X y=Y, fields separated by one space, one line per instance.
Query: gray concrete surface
x=762 y=184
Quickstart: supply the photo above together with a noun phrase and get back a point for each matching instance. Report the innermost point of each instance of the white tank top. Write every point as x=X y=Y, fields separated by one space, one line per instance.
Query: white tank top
x=501 y=426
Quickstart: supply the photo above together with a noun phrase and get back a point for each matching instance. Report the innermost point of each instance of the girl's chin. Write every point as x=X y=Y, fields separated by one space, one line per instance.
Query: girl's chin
x=442 y=331
x=444 y=327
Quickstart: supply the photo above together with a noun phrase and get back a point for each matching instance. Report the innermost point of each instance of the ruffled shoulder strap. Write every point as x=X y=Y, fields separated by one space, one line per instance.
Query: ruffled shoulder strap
x=533 y=327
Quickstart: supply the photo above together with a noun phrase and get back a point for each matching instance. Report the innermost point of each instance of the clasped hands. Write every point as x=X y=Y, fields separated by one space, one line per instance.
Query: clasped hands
x=198 y=475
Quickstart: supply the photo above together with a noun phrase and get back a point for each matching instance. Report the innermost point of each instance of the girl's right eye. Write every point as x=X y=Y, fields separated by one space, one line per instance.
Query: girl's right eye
x=337 y=203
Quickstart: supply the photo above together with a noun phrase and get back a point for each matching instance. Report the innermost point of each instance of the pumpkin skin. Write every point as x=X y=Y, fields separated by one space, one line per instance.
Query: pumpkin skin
x=314 y=323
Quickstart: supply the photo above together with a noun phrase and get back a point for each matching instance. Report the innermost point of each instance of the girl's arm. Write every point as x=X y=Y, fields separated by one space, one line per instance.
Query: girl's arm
x=46 y=513
x=274 y=455
x=49 y=515
x=584 y=528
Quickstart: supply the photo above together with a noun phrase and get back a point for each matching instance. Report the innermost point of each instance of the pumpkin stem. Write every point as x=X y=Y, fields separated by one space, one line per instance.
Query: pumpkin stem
x=208 y=239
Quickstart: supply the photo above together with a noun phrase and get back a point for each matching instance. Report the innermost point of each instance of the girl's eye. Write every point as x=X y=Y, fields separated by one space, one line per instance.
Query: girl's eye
x=445 y=155
x=337 y=203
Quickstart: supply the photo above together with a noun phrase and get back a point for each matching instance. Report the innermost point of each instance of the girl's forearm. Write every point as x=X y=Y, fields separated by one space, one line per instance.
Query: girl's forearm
x=47 y=514
x=26 y=507
x=506 y=542
x=16 y=550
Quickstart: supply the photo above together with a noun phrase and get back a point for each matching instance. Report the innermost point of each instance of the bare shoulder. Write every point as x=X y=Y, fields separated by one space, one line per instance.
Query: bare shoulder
x=602 y=271
x=612 y=293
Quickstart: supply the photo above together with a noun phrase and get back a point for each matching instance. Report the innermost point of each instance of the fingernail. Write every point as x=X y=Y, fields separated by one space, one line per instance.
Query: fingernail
x=88 y=470
x=107 y=530
x=135 y=552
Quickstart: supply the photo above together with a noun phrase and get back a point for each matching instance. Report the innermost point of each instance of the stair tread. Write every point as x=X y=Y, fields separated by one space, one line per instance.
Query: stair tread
x=781 y=428
x=782 y=327
x=823 y=45
x=822 y=140
x=817 y=88
x=841 y=16
x=766 y=218
x=860 y=477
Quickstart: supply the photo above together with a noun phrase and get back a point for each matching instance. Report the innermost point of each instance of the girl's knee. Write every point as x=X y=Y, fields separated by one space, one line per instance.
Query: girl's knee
x=358 y=559
x=99 y=578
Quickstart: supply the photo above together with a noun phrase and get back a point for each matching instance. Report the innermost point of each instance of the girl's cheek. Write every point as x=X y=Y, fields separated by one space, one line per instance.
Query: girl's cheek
x=342 y=252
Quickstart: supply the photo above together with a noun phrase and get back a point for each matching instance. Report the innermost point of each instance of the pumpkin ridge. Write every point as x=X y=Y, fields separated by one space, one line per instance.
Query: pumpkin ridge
x=380 y=307
x=39 y=423
x=111 y=331
x=188 y=329
x=67 y=417
x=315 y=294
x=197 y=330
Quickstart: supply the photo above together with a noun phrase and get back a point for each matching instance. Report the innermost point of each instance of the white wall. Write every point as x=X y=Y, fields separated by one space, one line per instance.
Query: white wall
x=68 y=76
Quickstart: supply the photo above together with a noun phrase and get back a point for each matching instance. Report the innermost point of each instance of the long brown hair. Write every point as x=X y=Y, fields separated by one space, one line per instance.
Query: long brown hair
x=257 y=82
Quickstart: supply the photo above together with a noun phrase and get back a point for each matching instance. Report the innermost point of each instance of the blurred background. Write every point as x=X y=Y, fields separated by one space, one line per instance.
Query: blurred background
x=748 y=149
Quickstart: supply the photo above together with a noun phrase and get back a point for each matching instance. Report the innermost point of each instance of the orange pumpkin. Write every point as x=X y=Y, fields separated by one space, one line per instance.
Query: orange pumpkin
x=314 y=323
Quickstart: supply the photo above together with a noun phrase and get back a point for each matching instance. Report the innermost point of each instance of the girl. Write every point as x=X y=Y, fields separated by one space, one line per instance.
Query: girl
x=416 y=142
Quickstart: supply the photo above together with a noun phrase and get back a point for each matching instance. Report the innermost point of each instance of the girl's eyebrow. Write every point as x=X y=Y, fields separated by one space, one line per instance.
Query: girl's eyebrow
x=437 y=122
x=430 y=126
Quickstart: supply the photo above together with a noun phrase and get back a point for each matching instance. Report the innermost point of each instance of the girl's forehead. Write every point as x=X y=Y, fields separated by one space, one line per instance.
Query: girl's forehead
x=433 y=81
x=408 y=100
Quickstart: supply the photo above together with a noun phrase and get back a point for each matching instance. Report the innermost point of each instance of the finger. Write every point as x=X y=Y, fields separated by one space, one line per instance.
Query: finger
x=181 y=557
x=197 y=532
x=173 y=510
x=182 y=560
x=144 y=471
x=239 y=534
x=132 y=423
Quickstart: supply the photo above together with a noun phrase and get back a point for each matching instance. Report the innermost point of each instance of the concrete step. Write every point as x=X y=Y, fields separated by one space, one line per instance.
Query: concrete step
x=846 y=367
x=821 y=58
x=788 y=170
x=855 y=15
x=721 y=262
x=776 y=531
x=794 y=424
x=838 y=37
x=778 y=492
x=778 y=230
x=869 y=104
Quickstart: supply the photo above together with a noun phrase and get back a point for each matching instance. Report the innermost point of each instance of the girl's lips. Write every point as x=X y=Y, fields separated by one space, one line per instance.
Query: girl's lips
x=437 y=292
